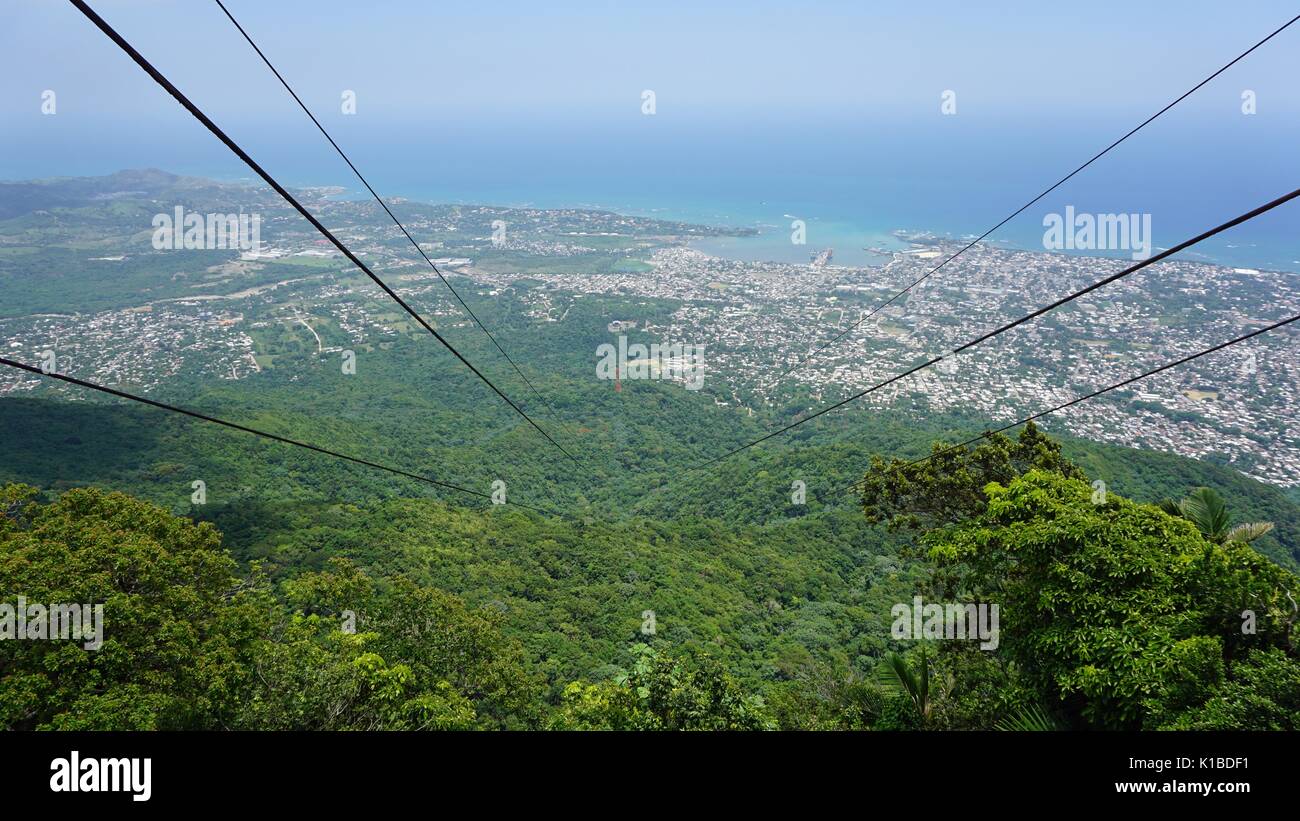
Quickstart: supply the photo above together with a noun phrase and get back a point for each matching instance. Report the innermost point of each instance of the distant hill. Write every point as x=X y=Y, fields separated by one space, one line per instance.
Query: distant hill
x=18 y=198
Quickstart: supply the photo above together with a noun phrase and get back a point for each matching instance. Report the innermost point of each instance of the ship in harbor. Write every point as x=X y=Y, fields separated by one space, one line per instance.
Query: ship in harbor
x=820 y=259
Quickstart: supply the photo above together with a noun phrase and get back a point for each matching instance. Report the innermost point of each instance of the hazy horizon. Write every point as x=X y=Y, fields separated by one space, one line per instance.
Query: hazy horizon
x=513 y=105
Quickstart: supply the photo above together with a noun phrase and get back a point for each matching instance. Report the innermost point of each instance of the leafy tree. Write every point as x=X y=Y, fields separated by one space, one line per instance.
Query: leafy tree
x=443 y=640
x=949 y=486
x=188 y=645
x=986 y=689
x=178 y=628
x=827 y=697
x=1261 y=693
x=420 y=659
x=663 y=692
x=314 y=676
x=1114 y=611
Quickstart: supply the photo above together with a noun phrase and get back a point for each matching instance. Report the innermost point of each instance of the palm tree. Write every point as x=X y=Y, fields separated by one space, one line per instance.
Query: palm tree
x=1206 y=509
x=1030 y=718
x=894 y=674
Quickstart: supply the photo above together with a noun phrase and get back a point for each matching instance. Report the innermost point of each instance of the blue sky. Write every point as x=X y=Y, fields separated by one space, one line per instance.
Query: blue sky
x=513 y=61
x=831 y=105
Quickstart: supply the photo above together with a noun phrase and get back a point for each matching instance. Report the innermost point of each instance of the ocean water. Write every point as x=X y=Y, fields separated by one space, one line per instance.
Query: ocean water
x=853 y=181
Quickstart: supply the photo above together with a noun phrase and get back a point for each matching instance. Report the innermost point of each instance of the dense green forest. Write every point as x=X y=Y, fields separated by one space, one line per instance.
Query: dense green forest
x=247 y=584
x=411 y=613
